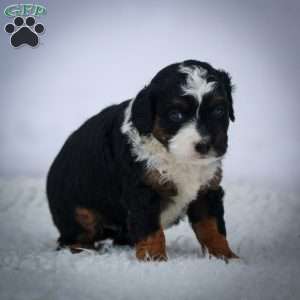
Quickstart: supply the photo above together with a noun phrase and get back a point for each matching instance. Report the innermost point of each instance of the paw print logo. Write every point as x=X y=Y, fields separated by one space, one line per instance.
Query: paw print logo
x=24 y=32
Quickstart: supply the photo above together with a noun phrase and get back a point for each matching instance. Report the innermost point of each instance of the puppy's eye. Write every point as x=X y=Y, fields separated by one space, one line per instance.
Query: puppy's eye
x=218 y=112
x=175 y=116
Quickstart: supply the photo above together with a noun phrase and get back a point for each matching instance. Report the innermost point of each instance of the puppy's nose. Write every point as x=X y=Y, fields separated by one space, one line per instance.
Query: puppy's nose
x=202 y=147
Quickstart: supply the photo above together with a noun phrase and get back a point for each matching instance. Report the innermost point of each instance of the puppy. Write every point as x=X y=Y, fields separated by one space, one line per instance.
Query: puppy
x=137 y=168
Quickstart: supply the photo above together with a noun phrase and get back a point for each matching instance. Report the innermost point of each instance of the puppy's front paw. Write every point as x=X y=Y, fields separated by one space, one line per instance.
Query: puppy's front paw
x=152 y=248
x=218 y=246
x=211 y=240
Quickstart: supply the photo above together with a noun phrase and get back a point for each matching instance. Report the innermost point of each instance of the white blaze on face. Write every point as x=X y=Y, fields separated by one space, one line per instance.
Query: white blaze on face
x=196 y=84
x=182 y=145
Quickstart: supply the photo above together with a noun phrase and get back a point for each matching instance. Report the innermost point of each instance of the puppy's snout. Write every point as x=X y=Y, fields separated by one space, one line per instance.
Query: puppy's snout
x=202 y=147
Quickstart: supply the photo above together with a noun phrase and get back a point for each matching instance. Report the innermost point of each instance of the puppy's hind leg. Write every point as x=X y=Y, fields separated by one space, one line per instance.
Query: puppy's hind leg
x=69 y=232
x=82 y=231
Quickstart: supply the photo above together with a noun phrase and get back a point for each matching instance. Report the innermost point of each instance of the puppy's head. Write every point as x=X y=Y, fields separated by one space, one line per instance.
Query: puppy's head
x=187 y=107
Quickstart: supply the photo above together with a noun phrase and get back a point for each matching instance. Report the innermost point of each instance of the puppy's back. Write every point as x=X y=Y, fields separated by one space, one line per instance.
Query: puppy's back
x=83 y=171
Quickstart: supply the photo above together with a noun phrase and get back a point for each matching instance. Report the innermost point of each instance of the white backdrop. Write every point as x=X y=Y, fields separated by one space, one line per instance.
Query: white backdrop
x=95 y=53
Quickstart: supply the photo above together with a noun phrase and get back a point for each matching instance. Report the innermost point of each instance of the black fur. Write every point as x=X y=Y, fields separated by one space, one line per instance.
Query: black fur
x=143 y=112
x=209 y=203
x=95 y=168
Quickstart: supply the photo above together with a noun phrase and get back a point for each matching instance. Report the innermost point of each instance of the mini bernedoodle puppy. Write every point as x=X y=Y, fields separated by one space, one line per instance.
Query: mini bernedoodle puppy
x=137 y=168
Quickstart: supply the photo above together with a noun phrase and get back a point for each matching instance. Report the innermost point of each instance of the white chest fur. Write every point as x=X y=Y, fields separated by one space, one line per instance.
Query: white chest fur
x=188 y=178
x=187 y=175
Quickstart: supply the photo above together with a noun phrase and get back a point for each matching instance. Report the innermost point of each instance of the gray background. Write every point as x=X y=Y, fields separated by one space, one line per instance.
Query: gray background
x=95 y=53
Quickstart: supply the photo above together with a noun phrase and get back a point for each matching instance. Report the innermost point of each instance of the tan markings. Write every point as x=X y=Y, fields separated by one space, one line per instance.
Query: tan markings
x=89 y=222
x=211 y=240
x=152 y=248
x=166 y=189
x=213 y=183
x=154 y=179
x=159 y=132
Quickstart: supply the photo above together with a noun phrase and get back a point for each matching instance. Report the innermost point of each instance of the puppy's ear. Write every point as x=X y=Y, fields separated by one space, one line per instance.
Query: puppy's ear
x=226 y=78
x=143 y=112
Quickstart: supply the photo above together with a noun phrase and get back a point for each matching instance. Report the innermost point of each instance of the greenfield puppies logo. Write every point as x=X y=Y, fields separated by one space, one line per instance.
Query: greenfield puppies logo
x=24 y=30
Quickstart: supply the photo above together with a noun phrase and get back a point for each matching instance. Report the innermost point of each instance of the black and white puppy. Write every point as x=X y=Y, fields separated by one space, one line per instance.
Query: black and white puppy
x=136 y=168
